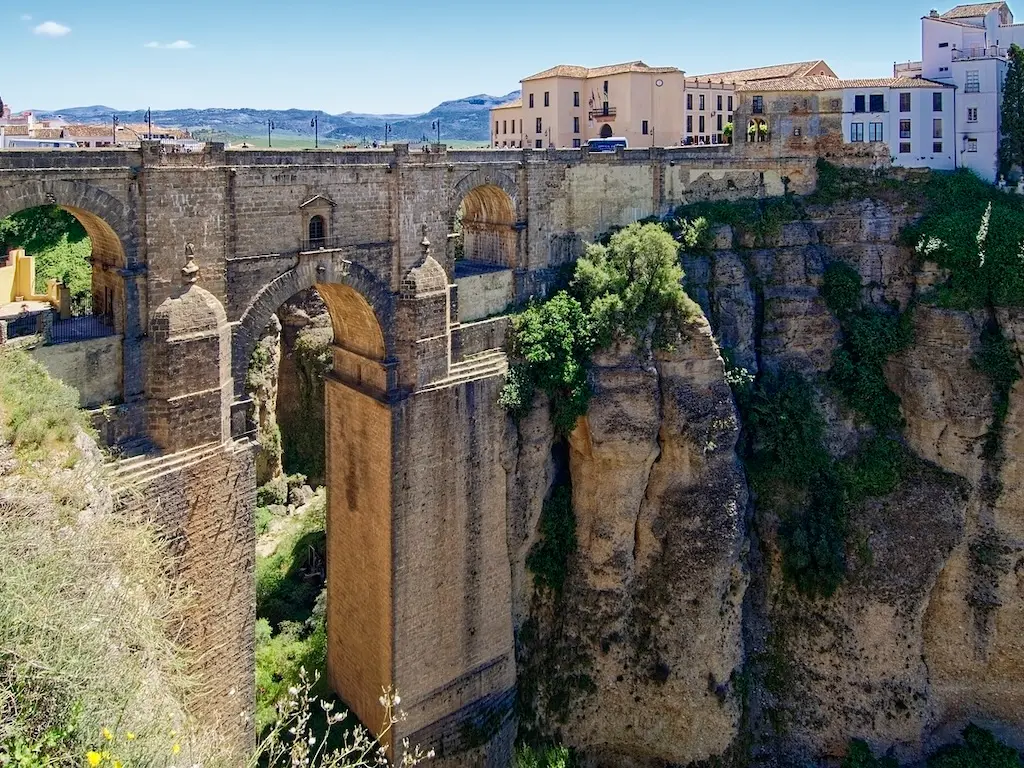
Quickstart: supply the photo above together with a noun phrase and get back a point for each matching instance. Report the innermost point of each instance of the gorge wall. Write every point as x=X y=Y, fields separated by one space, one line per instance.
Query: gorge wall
x=676 y=638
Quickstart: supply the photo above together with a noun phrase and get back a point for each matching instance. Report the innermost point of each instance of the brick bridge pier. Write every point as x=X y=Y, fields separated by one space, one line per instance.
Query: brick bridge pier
x=195 y=252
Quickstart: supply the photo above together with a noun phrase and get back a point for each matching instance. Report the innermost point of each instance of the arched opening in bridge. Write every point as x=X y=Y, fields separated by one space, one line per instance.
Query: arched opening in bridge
x=318 y=385
x=606 y=131
x=484 y=243
x=61 y=280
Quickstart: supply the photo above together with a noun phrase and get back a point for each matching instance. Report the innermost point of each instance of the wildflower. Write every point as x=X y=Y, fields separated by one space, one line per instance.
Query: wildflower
x=107 y=734
x=176 y=749
x=983 y=234
x=130 y=736
x=117 y=764
x=94 y=758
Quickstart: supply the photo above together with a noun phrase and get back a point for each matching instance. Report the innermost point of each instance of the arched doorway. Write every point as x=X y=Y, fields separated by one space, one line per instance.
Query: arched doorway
x=757 y=130
x=484 y=226
x=61 y=279
x=606 y=131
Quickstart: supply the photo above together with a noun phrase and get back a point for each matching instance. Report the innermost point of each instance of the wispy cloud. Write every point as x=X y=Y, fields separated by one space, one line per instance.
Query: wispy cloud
x=177 y=45
x=26 y=17
x=52 y=29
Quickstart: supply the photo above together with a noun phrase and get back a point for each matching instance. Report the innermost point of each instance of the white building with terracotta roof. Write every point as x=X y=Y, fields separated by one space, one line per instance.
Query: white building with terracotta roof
x=906 y=121
x=565 y=106
x=710 y=98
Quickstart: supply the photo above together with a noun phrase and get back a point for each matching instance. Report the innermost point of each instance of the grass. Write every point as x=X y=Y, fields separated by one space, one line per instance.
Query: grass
x=87 y=613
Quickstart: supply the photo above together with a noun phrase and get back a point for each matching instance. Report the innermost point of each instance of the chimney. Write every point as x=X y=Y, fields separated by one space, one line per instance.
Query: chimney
x=933 y=13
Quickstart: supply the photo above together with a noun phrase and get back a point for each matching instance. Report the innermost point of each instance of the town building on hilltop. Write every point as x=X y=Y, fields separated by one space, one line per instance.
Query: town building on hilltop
x=566 y=106
x=903 y=121
x=711 y=98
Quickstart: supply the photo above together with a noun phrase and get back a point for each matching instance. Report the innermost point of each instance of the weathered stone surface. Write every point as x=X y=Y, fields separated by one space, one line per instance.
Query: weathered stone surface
x=658 y=583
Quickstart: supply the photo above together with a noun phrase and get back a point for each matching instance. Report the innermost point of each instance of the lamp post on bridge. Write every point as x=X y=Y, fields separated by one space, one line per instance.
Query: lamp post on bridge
x=113 y=133
x=270 y=127
x=387 y=132
x=315 y=125
x=436 y=125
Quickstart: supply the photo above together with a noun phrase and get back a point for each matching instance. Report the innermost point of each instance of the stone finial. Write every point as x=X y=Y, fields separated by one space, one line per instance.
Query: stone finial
x=190 y=272
x=425 y=243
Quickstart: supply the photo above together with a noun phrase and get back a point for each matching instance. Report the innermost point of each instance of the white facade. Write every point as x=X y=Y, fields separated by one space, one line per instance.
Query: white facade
x=915 y=121
x=967 y=47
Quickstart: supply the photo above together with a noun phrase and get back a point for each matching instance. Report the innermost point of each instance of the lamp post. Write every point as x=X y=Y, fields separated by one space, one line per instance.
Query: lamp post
x=315 y=125
x=113 y=133
x=270 y=127
x=436 y=125
x=149 y=123
x=387 y=132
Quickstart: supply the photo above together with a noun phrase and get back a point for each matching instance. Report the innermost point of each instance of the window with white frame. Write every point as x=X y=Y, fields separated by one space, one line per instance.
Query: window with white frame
x=972 y=145
x=937 y=128
x=904 y=147
x=874 y=131
x=972 y=114
x=856 y=132
x=904 y=129
x=973 y=82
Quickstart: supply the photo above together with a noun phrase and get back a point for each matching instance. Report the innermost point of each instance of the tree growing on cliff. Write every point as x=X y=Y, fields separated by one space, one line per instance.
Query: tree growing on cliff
x=1011 y=145
x=633 y=287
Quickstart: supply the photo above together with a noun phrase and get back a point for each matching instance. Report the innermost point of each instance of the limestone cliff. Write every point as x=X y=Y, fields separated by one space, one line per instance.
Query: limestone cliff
x=677 y=638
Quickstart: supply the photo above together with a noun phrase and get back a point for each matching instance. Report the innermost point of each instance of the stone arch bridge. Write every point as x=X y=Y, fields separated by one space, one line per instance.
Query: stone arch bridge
x=195 y=252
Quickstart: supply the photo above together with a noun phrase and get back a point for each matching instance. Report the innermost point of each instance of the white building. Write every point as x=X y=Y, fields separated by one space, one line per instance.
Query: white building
x=914 y=116
x=967 y=47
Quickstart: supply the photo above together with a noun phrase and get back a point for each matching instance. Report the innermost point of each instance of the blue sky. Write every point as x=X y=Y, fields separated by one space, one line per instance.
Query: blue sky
x=406 y=57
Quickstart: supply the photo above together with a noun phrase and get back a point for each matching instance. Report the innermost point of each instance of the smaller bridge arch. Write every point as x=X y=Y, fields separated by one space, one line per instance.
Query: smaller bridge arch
x=484 y=213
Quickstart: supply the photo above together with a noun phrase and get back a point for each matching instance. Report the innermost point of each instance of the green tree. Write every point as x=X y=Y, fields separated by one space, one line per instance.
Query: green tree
x=633 y=287
x=1011 y=146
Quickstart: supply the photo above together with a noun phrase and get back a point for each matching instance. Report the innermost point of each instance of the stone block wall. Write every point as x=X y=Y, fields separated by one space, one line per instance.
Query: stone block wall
x=360 y=640
x=93 y=367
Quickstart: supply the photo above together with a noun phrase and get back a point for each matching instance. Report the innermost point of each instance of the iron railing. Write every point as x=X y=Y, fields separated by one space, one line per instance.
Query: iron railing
x=986 y=52
x=80 y=329
x=597 y=114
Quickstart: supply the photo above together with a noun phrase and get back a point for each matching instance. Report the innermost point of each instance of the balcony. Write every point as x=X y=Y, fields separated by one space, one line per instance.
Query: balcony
x=603 y=114
x=988 y=52
x=908 y=69
x=320 y=244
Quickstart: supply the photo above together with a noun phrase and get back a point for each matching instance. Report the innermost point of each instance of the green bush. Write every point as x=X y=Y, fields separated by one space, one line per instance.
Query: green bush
x=554 y=340
x=545 y=757
x=813 y=539
x=629 y=288
x=980 y=749
x=859 y=756
x=549 y=557
x=841 y=289
x=760 y=219
x=875 y=470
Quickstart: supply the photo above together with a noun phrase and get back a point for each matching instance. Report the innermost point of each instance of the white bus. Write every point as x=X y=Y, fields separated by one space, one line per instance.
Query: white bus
x=23 y=142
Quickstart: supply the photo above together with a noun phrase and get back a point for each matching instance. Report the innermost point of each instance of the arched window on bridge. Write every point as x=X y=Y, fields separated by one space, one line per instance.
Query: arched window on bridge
x=317 y=238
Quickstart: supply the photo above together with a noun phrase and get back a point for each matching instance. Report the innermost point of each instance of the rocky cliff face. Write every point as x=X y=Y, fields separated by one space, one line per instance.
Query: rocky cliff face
x=676 y=637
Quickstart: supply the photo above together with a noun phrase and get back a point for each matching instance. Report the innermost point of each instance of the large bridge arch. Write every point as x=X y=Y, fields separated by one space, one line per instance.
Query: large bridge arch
x=362 y=309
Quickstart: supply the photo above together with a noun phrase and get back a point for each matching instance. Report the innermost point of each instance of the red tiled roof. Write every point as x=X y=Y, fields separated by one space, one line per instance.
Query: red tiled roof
x=511 y=105
x=971 y=10
x=73 y=130
x=580 y=73
x=15 y=130
x=772 y=72
x=818 y=83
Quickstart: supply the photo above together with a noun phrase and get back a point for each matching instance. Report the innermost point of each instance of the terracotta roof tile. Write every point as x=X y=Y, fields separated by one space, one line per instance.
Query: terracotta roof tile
x=819 y=83
x=773 y=72
x=511 y=105
x=581 y=73
x=15 y=130
x=971 y=10
x=73 y=130
x=46 y=133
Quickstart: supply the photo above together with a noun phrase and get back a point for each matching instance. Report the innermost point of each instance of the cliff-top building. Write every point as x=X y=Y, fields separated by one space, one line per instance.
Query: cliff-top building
x=566 y=106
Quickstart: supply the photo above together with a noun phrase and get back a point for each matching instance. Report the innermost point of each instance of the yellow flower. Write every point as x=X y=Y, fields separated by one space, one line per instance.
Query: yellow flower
x=130 y=736
x=94 y=758
x=107 y=734
x=176 y=749
x=117 y=764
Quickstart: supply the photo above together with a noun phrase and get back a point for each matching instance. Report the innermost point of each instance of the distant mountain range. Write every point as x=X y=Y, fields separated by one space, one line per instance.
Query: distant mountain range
x=463 y=119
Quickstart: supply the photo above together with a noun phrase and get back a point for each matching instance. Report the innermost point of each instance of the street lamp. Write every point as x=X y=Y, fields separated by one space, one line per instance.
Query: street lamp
x=270 y=127
x=113 y=134
x=387 y=132
x=436 y=125
x=315 y=125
